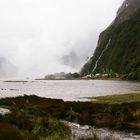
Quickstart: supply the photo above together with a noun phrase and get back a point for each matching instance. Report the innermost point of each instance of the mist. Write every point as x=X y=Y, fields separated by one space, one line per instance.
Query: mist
x=39 y=37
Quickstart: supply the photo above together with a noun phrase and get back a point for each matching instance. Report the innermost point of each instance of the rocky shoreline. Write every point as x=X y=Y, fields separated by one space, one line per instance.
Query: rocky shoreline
x=85 y=131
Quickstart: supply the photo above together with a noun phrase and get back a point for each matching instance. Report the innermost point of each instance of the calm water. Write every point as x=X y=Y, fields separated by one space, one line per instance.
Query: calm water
x=68 y=90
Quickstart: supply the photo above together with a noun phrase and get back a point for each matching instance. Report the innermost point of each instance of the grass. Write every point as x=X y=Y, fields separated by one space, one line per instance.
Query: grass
x=40 y=117
x=5 y=106
x=117 y=99
x=32 y=128
x=29 y=120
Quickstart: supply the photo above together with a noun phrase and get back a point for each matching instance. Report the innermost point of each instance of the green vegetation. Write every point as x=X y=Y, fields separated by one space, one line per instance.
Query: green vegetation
x=123 y=53
x=38 y=118
x=23 y=127
x=27 y=120
x=61 y=76
x=117 y=99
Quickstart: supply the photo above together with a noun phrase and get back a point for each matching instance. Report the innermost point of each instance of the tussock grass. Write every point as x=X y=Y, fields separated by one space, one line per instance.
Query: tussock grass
x=118 y=99
x=40 y=116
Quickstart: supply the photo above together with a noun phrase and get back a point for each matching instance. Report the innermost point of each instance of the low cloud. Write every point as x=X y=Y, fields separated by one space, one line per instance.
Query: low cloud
x=46 y=36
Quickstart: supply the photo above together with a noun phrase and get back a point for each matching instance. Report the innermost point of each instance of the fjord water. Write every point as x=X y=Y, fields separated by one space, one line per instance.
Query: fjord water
x=68 y=90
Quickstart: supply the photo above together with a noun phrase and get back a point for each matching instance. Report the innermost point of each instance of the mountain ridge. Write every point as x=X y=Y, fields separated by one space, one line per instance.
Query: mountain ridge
x=122 y=54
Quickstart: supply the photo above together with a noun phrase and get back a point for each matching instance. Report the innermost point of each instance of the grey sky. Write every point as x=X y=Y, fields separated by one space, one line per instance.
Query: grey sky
x=36 y=34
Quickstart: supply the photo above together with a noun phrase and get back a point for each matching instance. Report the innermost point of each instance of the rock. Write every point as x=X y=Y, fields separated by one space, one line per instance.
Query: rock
x=4 y=111
x=86 y=131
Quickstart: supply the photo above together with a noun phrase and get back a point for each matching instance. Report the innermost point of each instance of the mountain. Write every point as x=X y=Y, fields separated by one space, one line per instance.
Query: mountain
x=7 y=69
x=118 y=49
x=71 y=59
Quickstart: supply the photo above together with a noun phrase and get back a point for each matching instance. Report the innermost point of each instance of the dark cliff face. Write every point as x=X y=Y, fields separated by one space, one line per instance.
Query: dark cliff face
x=128 y=8
x=118 y=49
x=129 y=5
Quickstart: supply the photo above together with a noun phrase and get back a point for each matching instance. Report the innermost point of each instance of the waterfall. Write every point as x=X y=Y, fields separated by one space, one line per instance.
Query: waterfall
x=96 y=63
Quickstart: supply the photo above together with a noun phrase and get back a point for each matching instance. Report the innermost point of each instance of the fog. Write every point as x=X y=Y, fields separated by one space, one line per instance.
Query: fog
x=39 y=37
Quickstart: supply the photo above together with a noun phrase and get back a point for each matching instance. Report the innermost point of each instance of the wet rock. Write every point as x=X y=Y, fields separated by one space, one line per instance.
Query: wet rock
x=86 y=131
x=4 y=111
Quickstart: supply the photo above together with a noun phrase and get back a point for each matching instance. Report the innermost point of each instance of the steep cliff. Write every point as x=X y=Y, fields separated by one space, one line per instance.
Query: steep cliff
x=118 y=49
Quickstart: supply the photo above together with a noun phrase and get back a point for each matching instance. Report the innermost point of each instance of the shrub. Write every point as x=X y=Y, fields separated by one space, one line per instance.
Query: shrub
x=10 y=132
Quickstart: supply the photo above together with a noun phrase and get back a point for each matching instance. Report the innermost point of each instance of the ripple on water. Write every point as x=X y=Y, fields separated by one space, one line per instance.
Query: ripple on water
x=68 y=90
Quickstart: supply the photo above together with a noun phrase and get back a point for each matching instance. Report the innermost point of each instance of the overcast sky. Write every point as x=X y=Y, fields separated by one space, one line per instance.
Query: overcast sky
x=36 y=35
